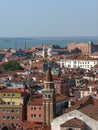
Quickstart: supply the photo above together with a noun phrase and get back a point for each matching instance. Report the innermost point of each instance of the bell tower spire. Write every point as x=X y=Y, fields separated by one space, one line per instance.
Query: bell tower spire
x=49 y=102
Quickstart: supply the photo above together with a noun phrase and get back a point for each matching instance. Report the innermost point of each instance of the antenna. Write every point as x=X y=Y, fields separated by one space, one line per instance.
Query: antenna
x=25 y=47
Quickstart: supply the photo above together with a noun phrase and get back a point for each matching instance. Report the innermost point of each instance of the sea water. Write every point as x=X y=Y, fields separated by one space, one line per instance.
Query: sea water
x=36 y=41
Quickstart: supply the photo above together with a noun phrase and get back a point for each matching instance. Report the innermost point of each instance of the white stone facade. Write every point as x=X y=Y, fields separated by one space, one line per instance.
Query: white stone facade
x=91 y=123
x=74 y=63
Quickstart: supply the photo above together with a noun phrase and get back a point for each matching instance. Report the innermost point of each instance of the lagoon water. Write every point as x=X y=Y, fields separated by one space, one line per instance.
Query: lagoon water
x=35 y=41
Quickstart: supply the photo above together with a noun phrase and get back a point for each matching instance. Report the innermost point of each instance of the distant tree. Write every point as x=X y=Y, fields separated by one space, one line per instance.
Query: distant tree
x=76 y=50
x=12 y=65
x=28 y=57
x=56 y=46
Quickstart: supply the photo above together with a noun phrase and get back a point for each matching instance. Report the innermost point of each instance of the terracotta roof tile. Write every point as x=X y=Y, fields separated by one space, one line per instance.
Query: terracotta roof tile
x=88 y=105
x=33 y=126
x=37 y=99
x=10 y=90
x=72 y=123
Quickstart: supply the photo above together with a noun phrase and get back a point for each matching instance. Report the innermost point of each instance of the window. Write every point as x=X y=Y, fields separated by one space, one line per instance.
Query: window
x=12 y=117
x=9 y=94
x=17 y=111
x=4 y=110
x=8 y=103
x=8 y=117
x=13 y=103
x=8 y=111
x=39 y=115
x=49 y=96
x=39 y=108
x=31 y=115
x=34 y=115
x=13 y=124
x=31 y=108
x=45 y=96
x=13 y=94
x=4 y=117
x=4 y=103
x=34 y=108
x=4 y=95
x=17 y=118
x=13 y=111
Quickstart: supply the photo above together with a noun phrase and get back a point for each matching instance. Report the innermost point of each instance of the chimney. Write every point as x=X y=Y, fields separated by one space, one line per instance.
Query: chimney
x=90 y=90
x=69 y=103
x=81 y=94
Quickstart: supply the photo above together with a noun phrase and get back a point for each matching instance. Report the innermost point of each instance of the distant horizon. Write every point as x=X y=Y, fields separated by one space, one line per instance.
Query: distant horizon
x=19 y=42
x=46 y=36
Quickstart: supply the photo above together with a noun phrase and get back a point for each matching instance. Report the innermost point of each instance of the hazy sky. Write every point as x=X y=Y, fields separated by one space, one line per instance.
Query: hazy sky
x=30 y=18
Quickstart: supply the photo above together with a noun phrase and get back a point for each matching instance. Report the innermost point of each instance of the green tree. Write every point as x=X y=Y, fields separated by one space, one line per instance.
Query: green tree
x=12 y=65
x=76 y=50
x=56 y=46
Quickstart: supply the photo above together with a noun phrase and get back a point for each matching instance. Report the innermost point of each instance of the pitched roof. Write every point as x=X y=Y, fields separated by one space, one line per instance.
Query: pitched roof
x=88 y=105
x=37 y=99
x=33 y=126
x=49 y=75
x=13 y=90
x=73 y=123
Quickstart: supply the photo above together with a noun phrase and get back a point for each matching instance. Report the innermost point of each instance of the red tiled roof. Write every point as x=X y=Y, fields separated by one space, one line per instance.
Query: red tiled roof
x=61 y=98
x=80 y=56
x=88 y=105
x=37 y=99
x=33 y=126
x=73 y=122
x=10 y=90
x=96 y=66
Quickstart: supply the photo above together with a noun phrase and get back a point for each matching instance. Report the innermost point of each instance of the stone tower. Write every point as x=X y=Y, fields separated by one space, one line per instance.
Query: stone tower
x=49 y=101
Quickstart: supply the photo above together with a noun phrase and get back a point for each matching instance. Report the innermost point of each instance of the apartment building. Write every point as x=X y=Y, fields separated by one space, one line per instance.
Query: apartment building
x=86 y=48
x=11 y=106
x=79 y=61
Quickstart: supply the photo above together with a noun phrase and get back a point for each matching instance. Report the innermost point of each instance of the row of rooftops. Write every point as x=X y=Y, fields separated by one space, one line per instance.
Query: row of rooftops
x=87 y=105
x=36 y=101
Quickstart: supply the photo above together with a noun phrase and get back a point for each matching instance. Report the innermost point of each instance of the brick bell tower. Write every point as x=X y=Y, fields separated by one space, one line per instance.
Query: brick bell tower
x=49 y=101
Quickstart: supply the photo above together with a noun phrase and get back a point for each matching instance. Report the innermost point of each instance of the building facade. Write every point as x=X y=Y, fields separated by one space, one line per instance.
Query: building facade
x=78 y=63
x=11 y=107
x=86 y=48
x=44 y=107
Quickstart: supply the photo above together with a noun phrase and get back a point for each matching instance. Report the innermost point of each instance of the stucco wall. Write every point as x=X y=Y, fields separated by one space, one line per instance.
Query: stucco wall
x=55 y=124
